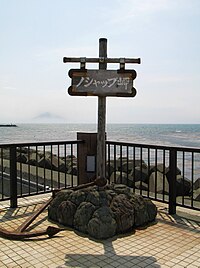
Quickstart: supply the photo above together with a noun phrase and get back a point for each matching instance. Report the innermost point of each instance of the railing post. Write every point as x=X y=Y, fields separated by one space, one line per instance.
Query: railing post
x=172 y=181
x=13 y=177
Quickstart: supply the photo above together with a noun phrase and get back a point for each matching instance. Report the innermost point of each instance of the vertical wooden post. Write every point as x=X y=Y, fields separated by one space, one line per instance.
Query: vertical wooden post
x=101 y=143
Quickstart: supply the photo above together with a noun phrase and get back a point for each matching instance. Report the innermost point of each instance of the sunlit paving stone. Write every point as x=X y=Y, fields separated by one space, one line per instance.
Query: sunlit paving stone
x=168 y=243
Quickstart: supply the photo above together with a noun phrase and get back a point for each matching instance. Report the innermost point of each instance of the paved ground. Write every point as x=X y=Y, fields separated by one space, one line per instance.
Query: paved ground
x=171 y=242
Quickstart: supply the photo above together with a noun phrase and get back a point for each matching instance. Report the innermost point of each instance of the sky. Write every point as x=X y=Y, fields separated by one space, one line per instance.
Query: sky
x=37 y=34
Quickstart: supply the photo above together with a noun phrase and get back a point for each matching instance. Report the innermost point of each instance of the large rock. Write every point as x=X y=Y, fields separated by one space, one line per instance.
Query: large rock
x=33 y=159
x=158 y=183
x=83 y=215
x=123 y=164
x=167 y=172
x=183 y=186
x=50 y=161
x=63 y=167
x=56 y=202
x=196 y=194
x=141 y=185
x=144 y=210
x=102 y=224
x=196 y=184
x=110 y=168
x=123 y=212
x=139 y=174
x=66 y=212
x=102 y=213
x=119 y=177
x=127 y=166
x=21 y=157
x=73 y=170
x=159 y=167
x=131 y=164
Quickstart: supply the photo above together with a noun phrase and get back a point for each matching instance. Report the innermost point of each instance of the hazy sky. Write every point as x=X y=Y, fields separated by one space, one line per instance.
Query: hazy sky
x=37 y=34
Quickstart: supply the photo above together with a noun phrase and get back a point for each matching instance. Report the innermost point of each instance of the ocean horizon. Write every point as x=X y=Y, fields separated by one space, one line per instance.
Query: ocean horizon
x=184 y=135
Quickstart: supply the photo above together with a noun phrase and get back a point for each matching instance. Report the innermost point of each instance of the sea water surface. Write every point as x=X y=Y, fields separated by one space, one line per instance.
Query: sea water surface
x=184 y=135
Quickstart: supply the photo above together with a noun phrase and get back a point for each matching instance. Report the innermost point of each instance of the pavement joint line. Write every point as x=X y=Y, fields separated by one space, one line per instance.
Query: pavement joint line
x=157 y=243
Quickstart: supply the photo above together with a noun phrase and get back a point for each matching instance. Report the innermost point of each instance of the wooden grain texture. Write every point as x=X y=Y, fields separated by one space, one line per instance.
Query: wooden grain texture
x=103 y=83
x=101 y=143
x=98 y=60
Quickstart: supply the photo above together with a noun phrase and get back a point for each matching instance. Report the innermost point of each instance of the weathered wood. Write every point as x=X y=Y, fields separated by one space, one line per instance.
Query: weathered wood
x=118 y=83
x=101 y=59
x=82 y=77
x=86 y=148
x=101 y=143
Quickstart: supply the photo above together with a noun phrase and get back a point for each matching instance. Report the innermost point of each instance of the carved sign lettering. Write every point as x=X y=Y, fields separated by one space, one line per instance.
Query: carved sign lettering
x=102 y=82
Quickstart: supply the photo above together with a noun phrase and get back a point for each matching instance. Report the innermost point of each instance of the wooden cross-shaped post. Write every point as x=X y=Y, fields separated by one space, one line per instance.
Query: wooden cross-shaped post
x=102 y=83
x=101 y=139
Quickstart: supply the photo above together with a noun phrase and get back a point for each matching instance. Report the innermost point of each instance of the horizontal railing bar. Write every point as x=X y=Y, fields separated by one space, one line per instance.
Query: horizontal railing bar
x=151 y=146
x=184 y=149
x=39 y=143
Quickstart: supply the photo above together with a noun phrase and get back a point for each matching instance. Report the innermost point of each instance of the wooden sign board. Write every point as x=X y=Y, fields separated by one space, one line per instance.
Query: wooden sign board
x=118 y=83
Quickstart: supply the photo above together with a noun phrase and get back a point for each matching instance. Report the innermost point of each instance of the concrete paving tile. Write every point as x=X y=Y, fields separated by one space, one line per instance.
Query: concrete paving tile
x=11 y=255
x=196 y=263
x=21 y=262
x=170 y=245
x=197 y=253
x=13 y=265
x=114 y=263
x=170 y=264
x=7 y=261
x=178 y=266
x=128 y=265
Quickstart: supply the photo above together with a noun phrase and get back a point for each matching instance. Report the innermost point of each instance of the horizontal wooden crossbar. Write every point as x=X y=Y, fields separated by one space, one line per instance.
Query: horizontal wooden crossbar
x=102 y=60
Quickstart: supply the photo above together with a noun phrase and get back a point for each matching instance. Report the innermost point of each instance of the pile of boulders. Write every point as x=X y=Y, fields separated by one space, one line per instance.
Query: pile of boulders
x=45 y=159
x=102 y=212
x=155 y=178
x=134 y=173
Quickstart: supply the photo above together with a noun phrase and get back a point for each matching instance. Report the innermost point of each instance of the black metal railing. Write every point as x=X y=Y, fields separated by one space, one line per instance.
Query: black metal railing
x=35 y=168
x=167 y=174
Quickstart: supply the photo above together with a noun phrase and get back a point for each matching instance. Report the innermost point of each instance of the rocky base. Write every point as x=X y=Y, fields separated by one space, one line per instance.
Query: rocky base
x=102 y=213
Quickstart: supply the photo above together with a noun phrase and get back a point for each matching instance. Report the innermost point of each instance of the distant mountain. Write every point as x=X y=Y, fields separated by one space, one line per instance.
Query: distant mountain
x=48 y=118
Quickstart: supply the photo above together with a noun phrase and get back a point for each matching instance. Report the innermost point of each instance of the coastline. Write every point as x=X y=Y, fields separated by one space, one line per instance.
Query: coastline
x=178 y=135
x=8 y=125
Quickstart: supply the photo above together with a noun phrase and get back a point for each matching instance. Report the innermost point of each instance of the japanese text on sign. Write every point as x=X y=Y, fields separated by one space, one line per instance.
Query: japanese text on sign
x=102 y=82
x=110 y=82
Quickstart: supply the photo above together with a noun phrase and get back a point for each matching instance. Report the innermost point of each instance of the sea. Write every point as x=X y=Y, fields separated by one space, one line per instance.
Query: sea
x=180 y=135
